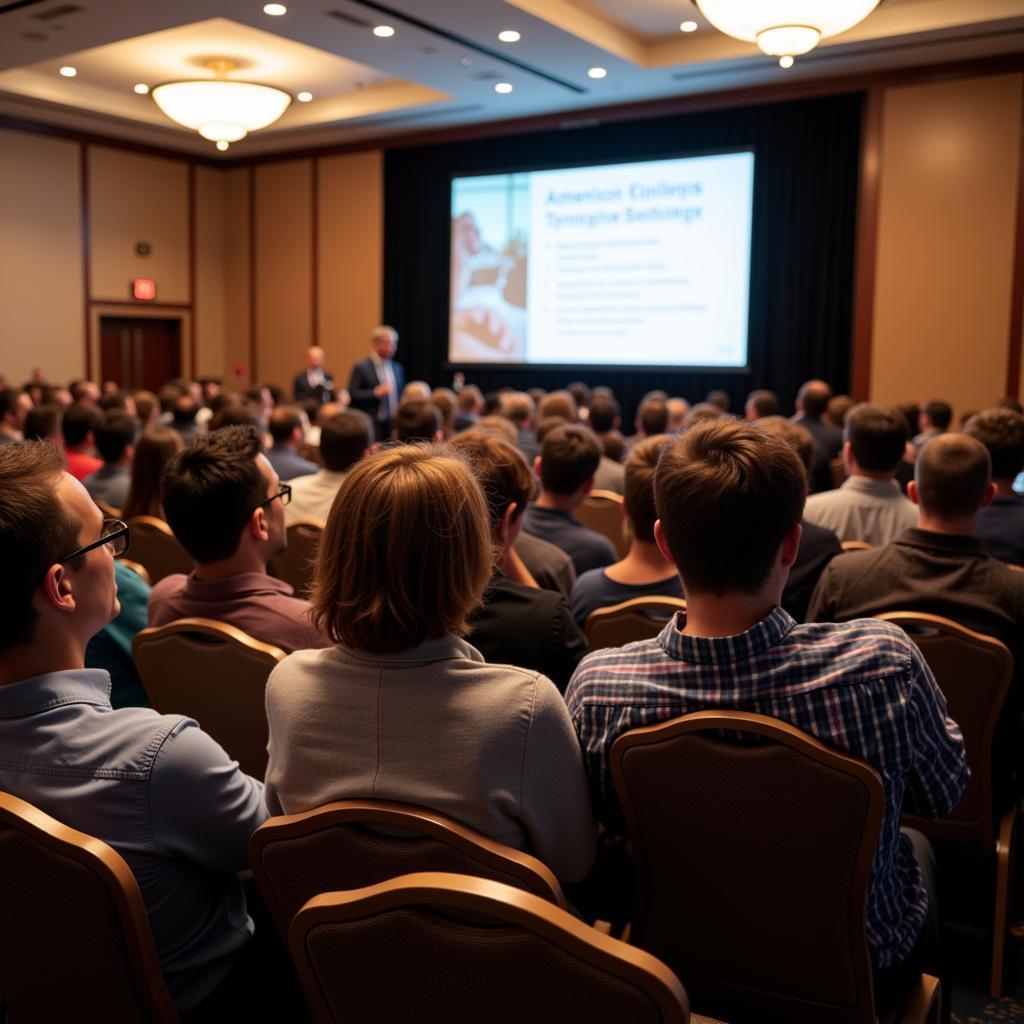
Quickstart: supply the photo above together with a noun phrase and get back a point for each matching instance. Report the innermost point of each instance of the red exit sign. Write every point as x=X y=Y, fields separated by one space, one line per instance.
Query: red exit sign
x=144 y=289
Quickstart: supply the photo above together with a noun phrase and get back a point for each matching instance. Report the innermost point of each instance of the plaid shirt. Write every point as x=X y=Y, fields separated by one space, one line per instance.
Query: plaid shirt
x=862 y=687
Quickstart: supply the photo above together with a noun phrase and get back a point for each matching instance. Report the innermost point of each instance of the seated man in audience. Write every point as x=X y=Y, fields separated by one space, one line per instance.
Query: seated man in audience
x=566 y=465
x=115 y=441
x=550 y=566
x=761 y=404
x=417 y=421
x=1001 y=523
x=155 y=787
x=81 y=420
x=43 y=423
x=644 y=572
x=519 y=623
x=730 y=498
x=344 y=439
x=933 y=418
x=518 y=408
x=869 y=505
x=811 y=405
x=225 y=504
x=651 y=420
x=604 y=418
x=14 y=407
x=287 y=430
x=677 y=410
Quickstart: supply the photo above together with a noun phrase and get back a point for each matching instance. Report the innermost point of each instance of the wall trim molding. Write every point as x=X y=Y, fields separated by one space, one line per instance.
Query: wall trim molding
x=1013 y=359
x=193 y=341
x=85 y=228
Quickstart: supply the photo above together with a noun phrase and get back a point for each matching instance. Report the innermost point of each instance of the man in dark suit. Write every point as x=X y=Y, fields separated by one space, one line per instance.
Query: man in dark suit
x=811 y=403
x=314 y=381
x=377 y=381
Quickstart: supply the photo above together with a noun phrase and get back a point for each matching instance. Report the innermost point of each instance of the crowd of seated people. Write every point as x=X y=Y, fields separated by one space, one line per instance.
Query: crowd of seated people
x=441 y=658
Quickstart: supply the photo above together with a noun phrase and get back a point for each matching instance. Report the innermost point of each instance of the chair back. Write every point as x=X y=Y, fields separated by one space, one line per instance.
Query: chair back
x=107 y=509
x=602 y=513
x=75 y=942
x=213 y=673
x=856 y=545
x=153 y=545
x=753 y=844
x=974 y=673
x=639 y=618
x=353 y=843
x=138 y=568
x=464 y=949
x=297 y=563
x=837 y=468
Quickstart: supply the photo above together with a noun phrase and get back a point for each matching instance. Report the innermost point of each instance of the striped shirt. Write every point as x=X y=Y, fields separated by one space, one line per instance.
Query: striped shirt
x=862 y=687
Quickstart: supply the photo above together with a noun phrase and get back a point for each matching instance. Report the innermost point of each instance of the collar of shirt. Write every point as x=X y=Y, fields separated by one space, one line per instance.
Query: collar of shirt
x=884 y=489
x=552 y=513
x=442 y=648
x=53 y=689
x=961 y=543
x=243 y=584
x=724 y=650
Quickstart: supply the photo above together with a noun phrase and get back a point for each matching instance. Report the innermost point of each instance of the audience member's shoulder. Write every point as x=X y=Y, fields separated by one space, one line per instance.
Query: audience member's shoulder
x=599 y=665
x=167 y=586
x=853 y=563
x=873 y=646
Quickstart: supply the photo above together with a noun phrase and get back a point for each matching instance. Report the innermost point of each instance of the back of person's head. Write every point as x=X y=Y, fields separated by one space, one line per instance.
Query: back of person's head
x=42 y=423
x=116 y=401
x=719 y=398
x=1009 y=402
x=210 y=490
x=415 y=391
x=184 y=410
x=639 y=488
x=727 y=494
x=284 y=421
x=518 y=407
x=797 y=437
x=80 y=420
x=115 y=433
x=146 y=406
x=701 y=412
x=548 y=424
x=911 y=414
x=877 y=436
x=35 y=531
x=761 y=403
x=558 y=403
x=952 y=476
x=652 y=416
x=234 y=413
x=839 y=407
x=11 y=402
x=938 y=413
x=1001 y=431
x=406 y=551
x=416 y=422
x=613 y=445
x=84 y=391
x=501 y=471
x=677 y=410
x=443 y=400
x=470 y=399
x=344 y=440
x=813 y=398
x=153 y=451
x=604 y=413
x=569 y=457
x=581 y=393
x=497 y=425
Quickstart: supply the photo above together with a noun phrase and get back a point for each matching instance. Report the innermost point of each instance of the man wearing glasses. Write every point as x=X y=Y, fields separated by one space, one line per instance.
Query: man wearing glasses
x=225 y=504
x=155 y=787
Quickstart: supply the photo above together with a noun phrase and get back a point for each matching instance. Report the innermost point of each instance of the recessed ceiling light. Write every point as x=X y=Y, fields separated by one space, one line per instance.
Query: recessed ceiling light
x=222 y=145
x=304 y=97
x=68 y=71
x=275 y=10
x=383 y=31
x=786 y=61
x=509 y=35
x=688 y=26
x=503 y=87
x=141 y=88
x=597 y=72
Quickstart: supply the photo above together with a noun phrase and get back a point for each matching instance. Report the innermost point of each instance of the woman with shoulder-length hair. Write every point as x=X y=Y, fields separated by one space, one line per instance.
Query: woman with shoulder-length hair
x=153 y=451
x=402 y=708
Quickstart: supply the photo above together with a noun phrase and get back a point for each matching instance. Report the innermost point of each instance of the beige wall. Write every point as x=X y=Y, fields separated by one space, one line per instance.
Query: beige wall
x=41 y=279
x=209 y=299
x=948 y=192
x=237 y=284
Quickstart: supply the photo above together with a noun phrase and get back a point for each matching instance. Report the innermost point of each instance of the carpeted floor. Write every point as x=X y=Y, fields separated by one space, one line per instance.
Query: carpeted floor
x=969 y=966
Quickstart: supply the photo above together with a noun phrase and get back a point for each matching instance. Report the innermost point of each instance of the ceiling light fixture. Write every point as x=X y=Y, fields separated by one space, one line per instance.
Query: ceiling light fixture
x=68 y=71
x=219 y=109
x=503 y=87
x=222 y=145
x=383 y=31
x=509 y=35
x=304 y=97
x=275 y=10
x=785 y=61
x=597 y=72
x=688 y=26
x=141 y=89
x=785 y=28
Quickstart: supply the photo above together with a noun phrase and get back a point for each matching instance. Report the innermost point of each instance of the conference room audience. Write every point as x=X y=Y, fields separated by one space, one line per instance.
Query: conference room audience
x=677 y=410
x=811 y=405
x=417 y=421
x=402 y=707
x=645 y=571
x=443 y=399
x=518 y=622
x=761 y=403
x=469 y=407
x=43 y=423
x=79 y=426
x=731 y=498
x=147 y=409
x=225 y=504
x=566 y=465
x=1001 y=522
x=868 y=506
x=183 y=417
x=518 y=408
x=345 y=438
x=719 y=398
x=161 y=792
x=558 y=403
x=651 y=420
x=604 y=419
x=287 y=431
x=115 y=442
x=839 y=407
x=933 y=419
x=14 y=408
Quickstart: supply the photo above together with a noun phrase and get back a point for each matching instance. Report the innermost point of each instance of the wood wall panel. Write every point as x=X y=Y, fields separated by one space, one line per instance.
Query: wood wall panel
x=210 y=272
x=238 y=324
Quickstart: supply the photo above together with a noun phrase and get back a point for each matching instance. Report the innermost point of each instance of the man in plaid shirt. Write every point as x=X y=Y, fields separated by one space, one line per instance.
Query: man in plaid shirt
x=729 y=499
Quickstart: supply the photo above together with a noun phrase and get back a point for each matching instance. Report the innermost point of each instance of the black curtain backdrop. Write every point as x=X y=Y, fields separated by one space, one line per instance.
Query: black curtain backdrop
x=802 y=259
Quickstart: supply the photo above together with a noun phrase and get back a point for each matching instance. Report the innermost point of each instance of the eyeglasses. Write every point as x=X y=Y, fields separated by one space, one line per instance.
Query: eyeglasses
x=114 y=535
x=285 y=494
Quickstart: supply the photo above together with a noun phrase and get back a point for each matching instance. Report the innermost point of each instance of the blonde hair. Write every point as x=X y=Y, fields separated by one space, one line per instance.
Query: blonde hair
x=406 y=552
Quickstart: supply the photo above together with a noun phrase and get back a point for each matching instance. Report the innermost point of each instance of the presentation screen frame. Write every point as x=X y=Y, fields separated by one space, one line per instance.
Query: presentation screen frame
x=450 y=365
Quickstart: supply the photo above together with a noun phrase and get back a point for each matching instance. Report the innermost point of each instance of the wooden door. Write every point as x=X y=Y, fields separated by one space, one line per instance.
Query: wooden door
x=140 y=352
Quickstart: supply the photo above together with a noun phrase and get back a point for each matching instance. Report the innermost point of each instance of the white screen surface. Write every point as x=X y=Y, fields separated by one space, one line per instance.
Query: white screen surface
x=642 y=264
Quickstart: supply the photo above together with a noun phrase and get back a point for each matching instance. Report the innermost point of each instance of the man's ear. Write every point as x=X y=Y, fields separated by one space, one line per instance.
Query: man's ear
x=504 y=528
x=257 y=525
x=989 y=495
x=588 y=486
x=56 y=589
x=791 y=545
x=912 y=492
x=659 y=539
x=536 y=467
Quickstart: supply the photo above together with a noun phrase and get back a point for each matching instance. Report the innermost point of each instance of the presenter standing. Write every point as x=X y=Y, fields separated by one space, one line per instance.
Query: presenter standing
x=377 y=381
x=314 y=381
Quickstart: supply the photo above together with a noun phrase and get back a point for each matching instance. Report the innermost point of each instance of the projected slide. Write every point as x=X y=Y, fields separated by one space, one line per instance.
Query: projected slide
x=643 y=264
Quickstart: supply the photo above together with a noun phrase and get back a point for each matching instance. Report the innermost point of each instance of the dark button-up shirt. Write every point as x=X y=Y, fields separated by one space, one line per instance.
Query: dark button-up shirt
x=587 y=549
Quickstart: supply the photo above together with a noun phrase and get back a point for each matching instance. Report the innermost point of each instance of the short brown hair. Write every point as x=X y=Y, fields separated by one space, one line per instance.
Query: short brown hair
x=797 y=437
x=727 y=494
x=518 y=407
x=1001 y=431
x=501 y=470
x=344 y=439
x=639 y=487
x=652 y=416
x=35 y=530
x=569 y=457
x=416 y=422
x=878 y=436
x=952 y=475
x=284 y=421
x=406 y=552
x=548 y=424
x=558 y=403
